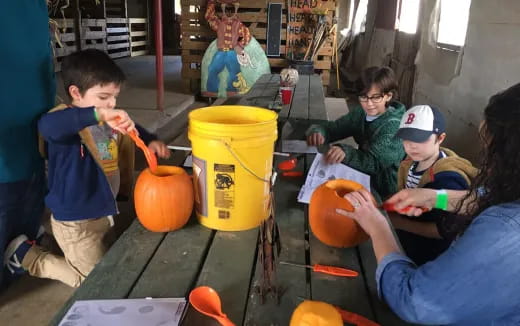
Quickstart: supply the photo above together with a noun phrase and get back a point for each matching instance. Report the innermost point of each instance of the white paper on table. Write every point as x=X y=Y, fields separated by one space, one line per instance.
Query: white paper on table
x=128 y=312
x=297 y=146
x=188 y=162
x=321 y=172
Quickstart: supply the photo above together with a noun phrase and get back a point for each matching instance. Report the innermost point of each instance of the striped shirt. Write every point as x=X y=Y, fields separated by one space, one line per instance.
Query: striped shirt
x=414 y=177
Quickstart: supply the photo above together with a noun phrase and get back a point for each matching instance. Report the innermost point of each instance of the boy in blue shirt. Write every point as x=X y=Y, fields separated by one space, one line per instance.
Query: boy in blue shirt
x=90 y=162
x=428 y=165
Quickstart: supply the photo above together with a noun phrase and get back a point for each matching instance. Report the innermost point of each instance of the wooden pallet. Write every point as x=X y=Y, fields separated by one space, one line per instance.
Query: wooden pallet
x=63 y=41
x=93 y=34
x=118 y=37
x=116 y=9
x=138 y=36
x=197 y=35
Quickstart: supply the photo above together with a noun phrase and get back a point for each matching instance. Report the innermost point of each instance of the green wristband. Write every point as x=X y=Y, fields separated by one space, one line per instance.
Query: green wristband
x=96 y=114
x=442 y=200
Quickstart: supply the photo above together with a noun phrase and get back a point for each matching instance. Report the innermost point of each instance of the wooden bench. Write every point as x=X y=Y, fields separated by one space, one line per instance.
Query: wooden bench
x=145 y=264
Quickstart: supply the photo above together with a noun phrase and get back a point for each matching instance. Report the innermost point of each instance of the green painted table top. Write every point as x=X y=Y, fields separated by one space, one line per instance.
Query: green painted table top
x=145 y=264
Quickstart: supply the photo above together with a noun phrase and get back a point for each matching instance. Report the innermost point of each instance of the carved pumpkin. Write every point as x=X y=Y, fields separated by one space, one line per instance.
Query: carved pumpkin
x=164 y=200
x=315 y=313
x=328 y=226
x=289 y=77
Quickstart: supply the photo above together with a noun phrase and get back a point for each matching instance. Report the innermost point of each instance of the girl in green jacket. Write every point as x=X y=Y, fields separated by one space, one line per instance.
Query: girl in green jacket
x=373 y=125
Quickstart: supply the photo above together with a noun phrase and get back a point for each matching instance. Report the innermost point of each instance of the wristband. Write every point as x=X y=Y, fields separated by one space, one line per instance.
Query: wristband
x=96 y=115
x=442 y=200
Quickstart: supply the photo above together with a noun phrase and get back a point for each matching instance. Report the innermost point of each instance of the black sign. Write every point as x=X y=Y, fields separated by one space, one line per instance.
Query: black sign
x=274 y=29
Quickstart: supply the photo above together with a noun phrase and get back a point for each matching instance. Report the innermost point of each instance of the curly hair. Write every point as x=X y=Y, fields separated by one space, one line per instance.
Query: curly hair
x=498 y=180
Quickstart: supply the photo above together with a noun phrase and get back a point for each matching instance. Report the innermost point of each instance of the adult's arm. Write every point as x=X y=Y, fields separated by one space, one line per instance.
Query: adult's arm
x=422 y=197
x=461 y=285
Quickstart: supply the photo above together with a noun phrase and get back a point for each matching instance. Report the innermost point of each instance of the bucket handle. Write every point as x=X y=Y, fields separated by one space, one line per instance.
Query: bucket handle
x=242 y=163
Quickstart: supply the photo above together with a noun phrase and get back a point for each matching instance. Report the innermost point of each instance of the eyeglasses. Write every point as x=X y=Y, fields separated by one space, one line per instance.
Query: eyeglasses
x=376 y=98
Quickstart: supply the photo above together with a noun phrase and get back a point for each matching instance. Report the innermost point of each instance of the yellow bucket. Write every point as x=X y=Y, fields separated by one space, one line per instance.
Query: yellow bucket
x=232 y=165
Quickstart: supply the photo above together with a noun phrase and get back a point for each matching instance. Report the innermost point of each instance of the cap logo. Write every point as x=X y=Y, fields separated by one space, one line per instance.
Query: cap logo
x=411 y=118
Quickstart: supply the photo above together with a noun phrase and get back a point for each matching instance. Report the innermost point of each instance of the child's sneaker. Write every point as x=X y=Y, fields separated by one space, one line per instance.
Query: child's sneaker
x=15 y=253
x=39 y=235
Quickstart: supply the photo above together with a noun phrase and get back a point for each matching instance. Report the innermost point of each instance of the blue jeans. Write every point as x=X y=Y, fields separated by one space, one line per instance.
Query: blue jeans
x=21 y=210
x=223 y=59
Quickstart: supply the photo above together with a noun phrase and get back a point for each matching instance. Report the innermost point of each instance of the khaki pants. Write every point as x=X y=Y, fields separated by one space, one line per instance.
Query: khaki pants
x=83 y=243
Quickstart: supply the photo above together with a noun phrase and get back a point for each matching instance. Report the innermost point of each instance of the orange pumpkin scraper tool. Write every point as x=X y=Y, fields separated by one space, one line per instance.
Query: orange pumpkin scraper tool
x=324 y=269
x=391 y=208
x=355 y=319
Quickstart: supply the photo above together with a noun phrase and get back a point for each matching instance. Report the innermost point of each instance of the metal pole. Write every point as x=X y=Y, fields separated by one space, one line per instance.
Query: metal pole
x=159 y=70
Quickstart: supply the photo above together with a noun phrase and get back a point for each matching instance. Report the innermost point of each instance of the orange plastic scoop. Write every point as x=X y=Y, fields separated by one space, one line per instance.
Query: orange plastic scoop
x=150 y=157
x=206 y=301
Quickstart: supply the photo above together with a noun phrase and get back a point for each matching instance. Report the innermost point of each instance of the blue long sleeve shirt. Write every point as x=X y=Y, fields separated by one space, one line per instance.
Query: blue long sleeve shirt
x=27 y=86
x=475 y=282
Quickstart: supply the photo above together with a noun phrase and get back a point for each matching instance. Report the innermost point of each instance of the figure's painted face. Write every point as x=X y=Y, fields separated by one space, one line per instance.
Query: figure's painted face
x=229 y=8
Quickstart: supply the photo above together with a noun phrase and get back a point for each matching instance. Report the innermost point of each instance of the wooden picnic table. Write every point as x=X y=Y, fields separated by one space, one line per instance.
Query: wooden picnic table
x=145 y=264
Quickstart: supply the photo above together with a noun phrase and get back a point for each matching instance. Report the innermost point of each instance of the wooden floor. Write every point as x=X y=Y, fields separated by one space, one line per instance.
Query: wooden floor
x=145 y=264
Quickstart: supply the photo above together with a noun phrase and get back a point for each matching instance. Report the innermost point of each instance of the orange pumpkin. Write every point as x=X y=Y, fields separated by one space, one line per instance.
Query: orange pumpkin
x=328 y=226
x=164 y=199
x=315 y=313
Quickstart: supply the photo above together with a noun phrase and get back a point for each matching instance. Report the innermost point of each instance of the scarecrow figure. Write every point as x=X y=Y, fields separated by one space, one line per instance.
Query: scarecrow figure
x=232 y=37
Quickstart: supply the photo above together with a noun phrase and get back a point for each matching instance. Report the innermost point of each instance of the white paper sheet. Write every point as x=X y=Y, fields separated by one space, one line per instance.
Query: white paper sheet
x=321 y=172
x=297 y=146
x=128 y=312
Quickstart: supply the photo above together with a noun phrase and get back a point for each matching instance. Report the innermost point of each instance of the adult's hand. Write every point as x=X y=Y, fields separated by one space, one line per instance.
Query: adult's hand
x=365 y=212
x=373 y=222
x=315 y=139
x=335 y=155
x=417 y=198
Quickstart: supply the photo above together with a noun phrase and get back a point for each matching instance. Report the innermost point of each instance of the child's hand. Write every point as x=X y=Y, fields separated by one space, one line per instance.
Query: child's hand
x=315 y=139
x=117 y=119
x=159 y=148
x=335 y=155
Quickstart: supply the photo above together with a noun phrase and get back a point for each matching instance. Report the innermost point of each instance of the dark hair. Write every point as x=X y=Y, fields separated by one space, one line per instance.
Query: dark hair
x=500 y=170
x=88 y=68
x=382 y=77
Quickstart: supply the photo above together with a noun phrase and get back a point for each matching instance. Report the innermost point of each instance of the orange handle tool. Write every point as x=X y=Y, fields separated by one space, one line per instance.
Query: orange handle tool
x=324 y=269
x=292 y=174
x=355 y=319
x=391 y=208
x=331 y=270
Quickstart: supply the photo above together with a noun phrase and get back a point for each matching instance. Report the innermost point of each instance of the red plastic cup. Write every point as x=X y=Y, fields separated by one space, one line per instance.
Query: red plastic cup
x=286 y=95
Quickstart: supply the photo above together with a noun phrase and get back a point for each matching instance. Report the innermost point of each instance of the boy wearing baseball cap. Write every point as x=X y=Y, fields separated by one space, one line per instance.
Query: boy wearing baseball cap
x=428 y=165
